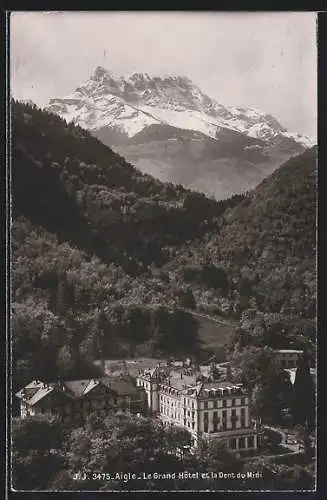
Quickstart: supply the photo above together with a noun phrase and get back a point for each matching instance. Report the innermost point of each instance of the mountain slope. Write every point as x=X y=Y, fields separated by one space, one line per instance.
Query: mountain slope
x=123 y=112
x=219 y=168
x=269 y=239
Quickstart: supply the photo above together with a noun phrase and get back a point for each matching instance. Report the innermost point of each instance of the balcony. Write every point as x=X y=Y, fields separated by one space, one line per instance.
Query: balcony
x=228 y=433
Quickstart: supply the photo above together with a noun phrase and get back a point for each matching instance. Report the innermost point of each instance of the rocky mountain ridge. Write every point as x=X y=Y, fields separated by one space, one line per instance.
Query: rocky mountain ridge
x=137 y=101
x=168 y=128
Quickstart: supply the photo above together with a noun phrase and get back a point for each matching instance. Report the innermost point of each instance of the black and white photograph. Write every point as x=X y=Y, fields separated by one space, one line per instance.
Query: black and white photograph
x=163 y=237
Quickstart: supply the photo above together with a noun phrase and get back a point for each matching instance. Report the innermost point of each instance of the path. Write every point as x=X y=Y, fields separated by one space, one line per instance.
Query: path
x=291 y=446
x=214 y=319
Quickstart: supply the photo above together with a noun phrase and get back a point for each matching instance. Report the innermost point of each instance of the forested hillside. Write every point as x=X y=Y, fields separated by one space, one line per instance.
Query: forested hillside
x=105 y=258
x=267 y=243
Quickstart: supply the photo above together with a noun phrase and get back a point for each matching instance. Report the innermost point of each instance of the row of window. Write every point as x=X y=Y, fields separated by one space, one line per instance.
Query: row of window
x=165 y=411
x=188 y=402
x=288 y=363
x=224 y=414
x=189 y=413
x=84 y=404
x=166 y=400
x=79 y=415
x=215 y=403
x=189 y=424
x=144 y=384
x=224 y=425
x=241 y=443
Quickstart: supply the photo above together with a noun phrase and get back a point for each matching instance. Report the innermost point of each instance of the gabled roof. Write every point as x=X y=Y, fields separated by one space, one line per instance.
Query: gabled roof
x=40 y=394
x=43 y=392
x=30 y=389
x=76 y=389
x=121 y=385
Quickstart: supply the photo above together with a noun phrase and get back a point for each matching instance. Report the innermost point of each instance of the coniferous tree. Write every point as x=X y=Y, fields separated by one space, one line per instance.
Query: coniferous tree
x=304 y=393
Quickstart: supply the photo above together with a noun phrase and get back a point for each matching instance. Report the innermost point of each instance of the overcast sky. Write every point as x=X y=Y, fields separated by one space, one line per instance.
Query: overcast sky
x=265 y=60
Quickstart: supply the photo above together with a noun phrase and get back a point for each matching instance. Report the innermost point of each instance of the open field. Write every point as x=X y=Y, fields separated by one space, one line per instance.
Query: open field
x=214 y=333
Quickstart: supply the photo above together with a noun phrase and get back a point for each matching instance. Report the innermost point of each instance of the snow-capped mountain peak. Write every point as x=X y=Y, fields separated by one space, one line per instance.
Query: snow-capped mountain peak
x=131 y=103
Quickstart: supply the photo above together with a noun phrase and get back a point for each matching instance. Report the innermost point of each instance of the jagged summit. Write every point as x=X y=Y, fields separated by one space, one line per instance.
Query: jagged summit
x=99 y=73
x=131 y=103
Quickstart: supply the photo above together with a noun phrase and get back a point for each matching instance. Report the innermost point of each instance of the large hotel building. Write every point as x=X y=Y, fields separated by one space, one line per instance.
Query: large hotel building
x=207 y=409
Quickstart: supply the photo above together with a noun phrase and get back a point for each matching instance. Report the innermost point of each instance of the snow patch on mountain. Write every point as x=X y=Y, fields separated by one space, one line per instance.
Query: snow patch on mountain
x=137 y=101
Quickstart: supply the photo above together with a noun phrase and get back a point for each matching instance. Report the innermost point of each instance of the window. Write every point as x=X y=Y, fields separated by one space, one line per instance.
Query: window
x=185 y=421
x=215 y=404
x=205 y=416
x=206 y=405
x=224 y=403
x=233 y=402
x=192 y=404
x=251 y=442
x=243 y=412
x=224 y=424
x=205 y=426
x=233 y=444
x=215 y=415
x=233 y=424
x=192 y=425
x=242 y=401
x=233 y=413
x=192 y=415
x=241 y=443
x=188 y=413
x=224 y=413
x=215 y=425
x=242 y=422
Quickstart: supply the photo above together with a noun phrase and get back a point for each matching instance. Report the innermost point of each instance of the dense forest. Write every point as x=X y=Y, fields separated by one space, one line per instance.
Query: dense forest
x=106 y=260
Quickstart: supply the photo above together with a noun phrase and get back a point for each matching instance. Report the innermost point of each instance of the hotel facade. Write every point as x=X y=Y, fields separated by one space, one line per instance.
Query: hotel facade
x=287 y=358
x=207 y=409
